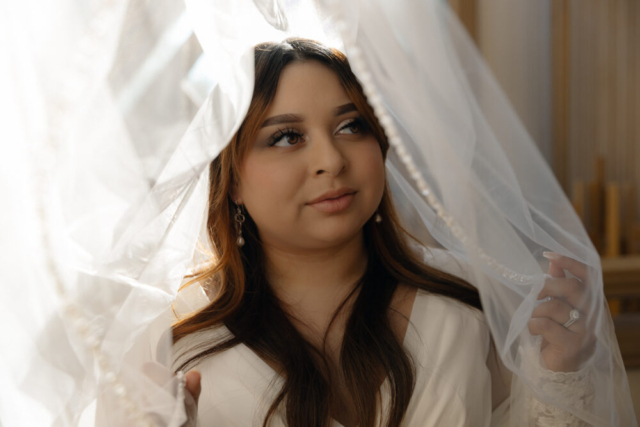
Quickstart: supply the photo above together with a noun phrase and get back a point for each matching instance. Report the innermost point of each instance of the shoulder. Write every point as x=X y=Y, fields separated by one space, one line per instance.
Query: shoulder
x=445 y=311
x=450 y=323
x=449 y=341
x=235 y=384
x=454 y=264
x=193 y=344
x=443 y=260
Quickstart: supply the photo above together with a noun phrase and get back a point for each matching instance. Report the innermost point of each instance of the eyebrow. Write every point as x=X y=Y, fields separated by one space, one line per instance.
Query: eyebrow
x=295 y=118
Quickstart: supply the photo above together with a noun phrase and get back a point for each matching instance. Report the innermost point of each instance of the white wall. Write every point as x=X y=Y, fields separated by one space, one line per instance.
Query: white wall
x=515 y=39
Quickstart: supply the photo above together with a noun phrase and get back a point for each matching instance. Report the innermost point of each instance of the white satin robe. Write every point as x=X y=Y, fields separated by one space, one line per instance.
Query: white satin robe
x=448 y=341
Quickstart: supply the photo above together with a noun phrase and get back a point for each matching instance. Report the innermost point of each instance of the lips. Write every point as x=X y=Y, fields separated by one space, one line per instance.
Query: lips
x=334 y=201
x=333 y=194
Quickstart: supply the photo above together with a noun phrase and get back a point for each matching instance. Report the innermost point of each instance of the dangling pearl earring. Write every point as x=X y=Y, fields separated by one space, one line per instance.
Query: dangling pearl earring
x=239 y=218
x=378 y=218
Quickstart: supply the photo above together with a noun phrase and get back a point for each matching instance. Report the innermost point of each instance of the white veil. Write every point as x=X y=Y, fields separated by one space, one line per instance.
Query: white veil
x=112 y=111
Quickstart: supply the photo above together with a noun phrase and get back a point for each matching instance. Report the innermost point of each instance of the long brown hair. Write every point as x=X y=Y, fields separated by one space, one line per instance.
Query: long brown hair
x=245 y=303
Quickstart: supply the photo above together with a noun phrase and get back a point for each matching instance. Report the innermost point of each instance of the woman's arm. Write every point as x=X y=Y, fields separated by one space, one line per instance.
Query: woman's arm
x=567 y=388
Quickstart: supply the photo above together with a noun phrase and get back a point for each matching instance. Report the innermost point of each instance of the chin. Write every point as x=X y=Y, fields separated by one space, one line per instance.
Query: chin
x=335 y=231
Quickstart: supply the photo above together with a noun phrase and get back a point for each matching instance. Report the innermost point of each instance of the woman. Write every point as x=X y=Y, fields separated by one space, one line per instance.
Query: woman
x=320 y=311
x=313 y=281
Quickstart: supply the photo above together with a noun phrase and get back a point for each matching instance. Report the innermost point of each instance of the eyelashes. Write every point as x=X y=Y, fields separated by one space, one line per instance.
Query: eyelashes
x=288 y=133
x=291 y=136
x=357 y=125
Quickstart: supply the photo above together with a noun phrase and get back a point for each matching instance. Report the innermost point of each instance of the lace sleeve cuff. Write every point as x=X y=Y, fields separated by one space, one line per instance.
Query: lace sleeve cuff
x=566 y=389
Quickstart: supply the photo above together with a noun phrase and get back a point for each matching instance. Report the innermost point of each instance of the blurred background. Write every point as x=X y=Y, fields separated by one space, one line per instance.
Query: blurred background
x=571 y=69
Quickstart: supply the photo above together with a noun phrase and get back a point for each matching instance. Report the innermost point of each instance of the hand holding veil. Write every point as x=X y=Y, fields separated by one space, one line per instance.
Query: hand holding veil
x=105 y=186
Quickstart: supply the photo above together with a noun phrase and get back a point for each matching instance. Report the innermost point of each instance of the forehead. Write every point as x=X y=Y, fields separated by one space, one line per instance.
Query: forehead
x=308 y=86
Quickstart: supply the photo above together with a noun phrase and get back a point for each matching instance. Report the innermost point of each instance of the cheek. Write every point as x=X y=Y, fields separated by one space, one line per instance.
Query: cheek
x=267 y=186
x=369 y=166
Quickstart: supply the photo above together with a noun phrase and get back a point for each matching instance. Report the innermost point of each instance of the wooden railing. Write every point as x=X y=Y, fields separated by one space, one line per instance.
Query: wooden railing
x=622 y=289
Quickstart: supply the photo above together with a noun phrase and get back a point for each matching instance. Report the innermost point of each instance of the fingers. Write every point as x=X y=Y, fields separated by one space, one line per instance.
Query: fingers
x=191 y=395
x=563 y=348
x=193 y=384
x=551 y=331
x=161 y=375
x=556 y=270
x=575 y=267
x=570 y=290
x=558 y=311
x=573 y=290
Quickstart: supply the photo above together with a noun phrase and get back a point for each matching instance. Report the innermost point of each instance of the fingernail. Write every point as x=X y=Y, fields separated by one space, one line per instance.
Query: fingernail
x=543 y=300
x=551 y=255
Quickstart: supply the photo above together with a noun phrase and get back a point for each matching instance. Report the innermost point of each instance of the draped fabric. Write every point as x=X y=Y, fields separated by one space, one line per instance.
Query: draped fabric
x=112 y=111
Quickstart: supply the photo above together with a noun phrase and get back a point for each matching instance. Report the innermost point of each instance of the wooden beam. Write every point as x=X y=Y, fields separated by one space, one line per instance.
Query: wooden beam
x=621 y=276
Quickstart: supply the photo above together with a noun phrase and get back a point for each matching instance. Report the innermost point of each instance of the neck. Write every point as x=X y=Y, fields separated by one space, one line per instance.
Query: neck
x=315 y=282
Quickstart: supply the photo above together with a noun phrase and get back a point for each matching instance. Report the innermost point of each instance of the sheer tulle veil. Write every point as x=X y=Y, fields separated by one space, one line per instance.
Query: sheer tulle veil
x=112 y=111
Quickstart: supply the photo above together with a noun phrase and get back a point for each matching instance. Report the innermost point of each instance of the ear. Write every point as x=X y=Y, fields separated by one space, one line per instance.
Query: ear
x=234 y=193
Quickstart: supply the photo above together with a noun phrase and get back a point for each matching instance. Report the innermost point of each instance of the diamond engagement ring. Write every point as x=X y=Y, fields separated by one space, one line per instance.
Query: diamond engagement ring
x=574 y=315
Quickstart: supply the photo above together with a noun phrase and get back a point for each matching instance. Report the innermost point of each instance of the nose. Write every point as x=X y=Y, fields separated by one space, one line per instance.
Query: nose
x=327 y=157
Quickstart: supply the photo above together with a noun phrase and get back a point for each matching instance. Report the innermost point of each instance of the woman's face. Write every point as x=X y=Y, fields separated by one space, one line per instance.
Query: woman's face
x=313 y=145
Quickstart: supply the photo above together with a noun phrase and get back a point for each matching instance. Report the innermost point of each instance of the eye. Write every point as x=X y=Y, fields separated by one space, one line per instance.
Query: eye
x=352 y=126
x=285 y=138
